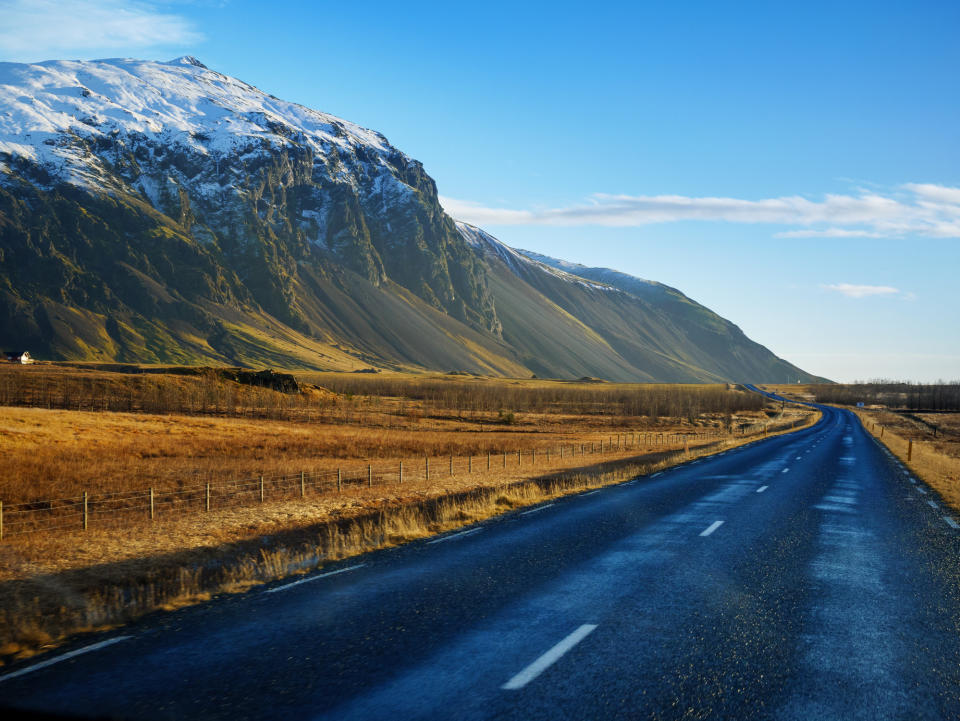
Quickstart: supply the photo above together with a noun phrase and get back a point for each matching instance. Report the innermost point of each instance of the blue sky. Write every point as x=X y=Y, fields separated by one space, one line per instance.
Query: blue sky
x=793 y=166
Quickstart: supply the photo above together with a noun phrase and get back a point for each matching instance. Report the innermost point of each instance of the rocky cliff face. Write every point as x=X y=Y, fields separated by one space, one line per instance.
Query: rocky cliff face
x=208 y=186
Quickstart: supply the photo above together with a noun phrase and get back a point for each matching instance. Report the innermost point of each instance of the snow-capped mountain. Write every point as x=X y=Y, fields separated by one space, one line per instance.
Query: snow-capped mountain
x=156 y=211
x=56 y=113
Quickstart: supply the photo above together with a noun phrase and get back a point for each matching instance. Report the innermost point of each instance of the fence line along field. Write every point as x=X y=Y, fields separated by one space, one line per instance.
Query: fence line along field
x=198 y=437
x=928 y=443
x=120 y=509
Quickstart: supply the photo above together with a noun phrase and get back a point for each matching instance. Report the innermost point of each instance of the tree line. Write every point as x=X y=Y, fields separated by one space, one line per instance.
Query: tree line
x=494 y=395
x=893 y=394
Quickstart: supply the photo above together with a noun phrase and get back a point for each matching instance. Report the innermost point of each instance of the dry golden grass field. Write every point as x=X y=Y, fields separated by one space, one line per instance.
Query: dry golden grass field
x=107 y=430
x=57 y=452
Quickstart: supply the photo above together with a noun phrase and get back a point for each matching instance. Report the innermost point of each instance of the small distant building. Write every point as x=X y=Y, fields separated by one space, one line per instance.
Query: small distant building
x=19 y=357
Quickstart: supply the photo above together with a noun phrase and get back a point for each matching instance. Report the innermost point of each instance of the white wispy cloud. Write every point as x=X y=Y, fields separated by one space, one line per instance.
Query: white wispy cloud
x=828 y=233
x=912 y=209
x=935 y=193
x=47 y=29
x=863 y=291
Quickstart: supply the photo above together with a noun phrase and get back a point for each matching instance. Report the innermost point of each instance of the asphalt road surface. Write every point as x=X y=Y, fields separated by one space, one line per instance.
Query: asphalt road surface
x=807 y=576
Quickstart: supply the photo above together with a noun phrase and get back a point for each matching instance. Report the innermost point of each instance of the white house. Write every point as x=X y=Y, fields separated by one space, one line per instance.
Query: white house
x=18 y=357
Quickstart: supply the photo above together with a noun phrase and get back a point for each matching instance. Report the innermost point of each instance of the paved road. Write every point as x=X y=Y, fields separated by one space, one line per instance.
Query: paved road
x=803 y=577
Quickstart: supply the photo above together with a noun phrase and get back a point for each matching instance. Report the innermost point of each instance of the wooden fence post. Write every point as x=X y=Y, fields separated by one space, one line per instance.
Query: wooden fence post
x=909 y=450
x=881 y=431
x=534 y=461
x=303 y=484
x=561 y=451
x=151 y=503
x=519 y=458
x=261 y=489
x=427 y=459
x=400 y=476
x=469 y=464
x=369 y=476
x=208 y=496
x=85 y=515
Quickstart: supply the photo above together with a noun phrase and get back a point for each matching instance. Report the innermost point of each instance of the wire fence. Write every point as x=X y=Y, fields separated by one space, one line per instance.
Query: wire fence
x=122 y=509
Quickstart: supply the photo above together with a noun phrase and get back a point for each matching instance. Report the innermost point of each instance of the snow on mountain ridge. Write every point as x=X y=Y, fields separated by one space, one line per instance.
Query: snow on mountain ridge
x=186 y=60
x=516 y=259
x=575 y=267
x=50 y=106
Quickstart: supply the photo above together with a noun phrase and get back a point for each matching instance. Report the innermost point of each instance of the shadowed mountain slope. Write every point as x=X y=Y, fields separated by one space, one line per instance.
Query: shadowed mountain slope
x=621 y=326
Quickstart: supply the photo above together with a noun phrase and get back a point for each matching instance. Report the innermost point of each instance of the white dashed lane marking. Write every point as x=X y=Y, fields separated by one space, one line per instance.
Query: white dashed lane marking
x=762 y=489
x=711 y=528
x=549 y=658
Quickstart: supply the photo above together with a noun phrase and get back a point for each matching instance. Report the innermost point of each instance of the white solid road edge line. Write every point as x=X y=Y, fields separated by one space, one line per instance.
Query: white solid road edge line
x=951 y=522
x=64 y=657
x=536 y=510
x=785 y=470
x=713 y=527
x=932 y=504
x=590 y=493
x=454 y=535
x=762 y=489
x=314 y=578
x=549 y=658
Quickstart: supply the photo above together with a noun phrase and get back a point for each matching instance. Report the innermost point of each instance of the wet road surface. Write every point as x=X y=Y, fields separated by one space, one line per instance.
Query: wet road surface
x=807 y=576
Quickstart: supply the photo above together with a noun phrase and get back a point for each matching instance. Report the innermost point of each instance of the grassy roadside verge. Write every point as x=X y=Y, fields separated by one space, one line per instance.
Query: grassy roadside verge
x=938 y=470
x=40 y=611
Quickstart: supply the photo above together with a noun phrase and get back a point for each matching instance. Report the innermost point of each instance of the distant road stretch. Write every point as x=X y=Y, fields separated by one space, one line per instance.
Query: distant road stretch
x=807 y=576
